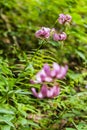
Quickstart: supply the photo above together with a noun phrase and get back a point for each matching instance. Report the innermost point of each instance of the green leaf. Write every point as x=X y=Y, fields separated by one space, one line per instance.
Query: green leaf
x=70 y=129
x=33 y=124
x=5 y=127
x=80 y=54
x=53 y=43
x=5 y=111
x=7 y=119
x=22 y=121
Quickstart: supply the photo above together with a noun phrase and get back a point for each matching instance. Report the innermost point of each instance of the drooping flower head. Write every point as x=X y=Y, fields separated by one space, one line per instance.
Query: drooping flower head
x=64 y=18
x=46 y=92
x=47 y=74
x=59 y=37
x=61 y=18
x=43 y=33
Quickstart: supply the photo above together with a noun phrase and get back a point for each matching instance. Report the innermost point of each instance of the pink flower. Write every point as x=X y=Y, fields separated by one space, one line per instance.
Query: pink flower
x=43 y=33
x=62 y=36
x=64 y=18
x=59 y=37
x=46 y=92
x=46 y=74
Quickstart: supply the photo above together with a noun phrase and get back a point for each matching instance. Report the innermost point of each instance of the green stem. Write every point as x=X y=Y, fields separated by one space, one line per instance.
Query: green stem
x=43 y=41
x=75 y=125
x=55 y=23
x=37 y=51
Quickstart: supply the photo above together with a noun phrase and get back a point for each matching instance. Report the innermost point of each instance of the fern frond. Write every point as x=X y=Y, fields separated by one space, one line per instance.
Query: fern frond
x=42 y=56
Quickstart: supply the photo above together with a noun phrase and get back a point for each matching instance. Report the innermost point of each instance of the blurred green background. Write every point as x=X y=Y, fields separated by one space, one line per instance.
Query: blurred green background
x=19 y=20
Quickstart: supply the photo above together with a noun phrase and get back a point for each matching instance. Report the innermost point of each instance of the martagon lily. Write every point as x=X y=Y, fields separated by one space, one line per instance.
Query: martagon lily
x=46 y=74
x=46 y=92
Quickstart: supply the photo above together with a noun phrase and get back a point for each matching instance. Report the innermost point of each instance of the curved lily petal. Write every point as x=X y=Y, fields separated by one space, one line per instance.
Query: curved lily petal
x=56 y=69
x=62 y=72
x=49 y=93
x=53 y=92
x=56 y=91
x=44 y=90
x=38 y=95
x=47 y=70
x=34 y=92
x=40 y=76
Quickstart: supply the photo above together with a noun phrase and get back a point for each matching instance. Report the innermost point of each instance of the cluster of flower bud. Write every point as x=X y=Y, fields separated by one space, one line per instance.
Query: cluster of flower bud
x=46 y=32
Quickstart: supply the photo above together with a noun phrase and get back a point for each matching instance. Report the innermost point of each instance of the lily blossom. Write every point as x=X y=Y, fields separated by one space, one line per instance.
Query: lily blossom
x=43 y=33
x=46 y=74
x=64 y=18
x=61 y=18
x=59 y=37
x=46 y=92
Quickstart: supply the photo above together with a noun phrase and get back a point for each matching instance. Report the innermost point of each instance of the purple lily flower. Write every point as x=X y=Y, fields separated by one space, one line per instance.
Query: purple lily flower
x=43 y=33
x=47 y=75
x=64 y=18
x=62 y=36
x=61 y=18
x=59 y=37
x=46 y=92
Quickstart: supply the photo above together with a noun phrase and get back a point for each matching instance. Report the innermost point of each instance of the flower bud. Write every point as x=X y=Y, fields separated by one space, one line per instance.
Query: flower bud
x=43 y=33
x=64 y=18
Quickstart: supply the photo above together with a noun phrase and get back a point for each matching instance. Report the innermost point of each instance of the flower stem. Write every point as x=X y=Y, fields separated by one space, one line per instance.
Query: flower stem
x=37 y=50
